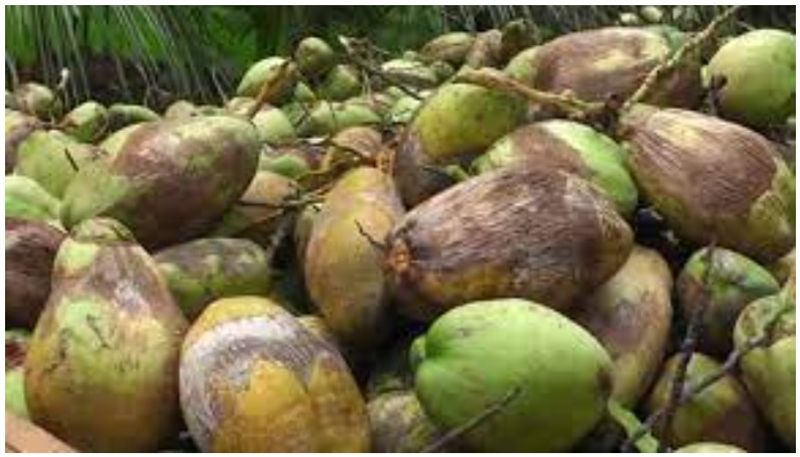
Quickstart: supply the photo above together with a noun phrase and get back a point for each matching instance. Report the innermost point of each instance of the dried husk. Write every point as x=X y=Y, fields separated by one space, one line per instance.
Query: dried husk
x=543 y=235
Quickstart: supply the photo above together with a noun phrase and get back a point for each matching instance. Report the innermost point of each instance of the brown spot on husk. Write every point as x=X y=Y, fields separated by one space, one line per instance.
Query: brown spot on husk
x=31 y=248
x=15 y=137
x=536 y=144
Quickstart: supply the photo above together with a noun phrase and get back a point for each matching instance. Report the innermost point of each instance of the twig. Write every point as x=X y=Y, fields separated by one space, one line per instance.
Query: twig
x=270 y=88
x=494 y=79
x=285 y=204
x=727 y=367
x=688 y=346
x=666 y=67
x=381 y=247
x=71 y=160
x=477 y=420
x=353 y=57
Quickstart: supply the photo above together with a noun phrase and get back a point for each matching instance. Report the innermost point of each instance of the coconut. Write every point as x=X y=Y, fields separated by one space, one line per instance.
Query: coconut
x=264 y=70
x=450 y=47
x=769 y=371
x=484 y=352
x=87 y=122
x=726 y=287
x=404 y=109
x=272 y=124
x=569 y=146
x=30 y=250
x=596 y=64
x=722 y=413
x=399 y=424
x=342 y=267
x=288 y=161
x=122 y=115
x=553 y=239
x=204 y=270
x=442 y=70
x=17 y=342
x=711 y=179
x=455 y=123
x=181 y=109
x=18 y=127
x=257 y=214
x=758 y=69
x=101 y=372
x=254 y=379
x=517 y=35
x=341 y=83
x=25 y=199
x=410 y=73
x=181 y=173
x=52 y=159
x=631 y=315
x=486 y=51
x=326 y=118
x=709 y=448
x=303 y=93
x=302 y=230
x=782 y=268
x=314 y=57
x=37 y=100
x=522 y=66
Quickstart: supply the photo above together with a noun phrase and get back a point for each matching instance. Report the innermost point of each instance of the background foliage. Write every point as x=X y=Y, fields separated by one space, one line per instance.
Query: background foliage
x=155 y=54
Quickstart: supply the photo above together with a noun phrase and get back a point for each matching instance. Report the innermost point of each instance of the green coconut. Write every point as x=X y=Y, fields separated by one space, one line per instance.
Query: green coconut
x=709 y=448
x=266 y=69
x=314 y=57
x=455 y=123
x=712 y=179
x=272 y=124
x=342 y=267
x=723 y=412
x=341 y=83
x=568 y=146
x=101 y=371
x=288 y=162
x=204 y=270
x=87 y=122
x=38 y=100
x=442 y=70
x=303 y=93
x=404 y=109
x=450 y=47
x=782 y=268
x=410 y=73
x=631 y=316
x=769 y=371
x=180 y=173
x=253 y=378
x=730 y=284
x=535 y=359
x=398 y=423
x=52 y=159
x=759 y=72
x=17 y=342
x=122 y=115
x=18 y=126
x=27 y=200
x=180 y=109
x=328 y=118
x=596 y=64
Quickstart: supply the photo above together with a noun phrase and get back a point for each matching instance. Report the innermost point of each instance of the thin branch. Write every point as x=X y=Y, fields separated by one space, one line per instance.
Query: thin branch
x=469 y=425
x=372 y=241
x=71 y=160
x=667 y=66
x=693 y=331
x=495 y=79
x=270 y=88
x=353 y=57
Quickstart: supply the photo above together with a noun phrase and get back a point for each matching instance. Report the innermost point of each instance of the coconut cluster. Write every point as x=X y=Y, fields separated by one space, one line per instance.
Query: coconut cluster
x=358 y=252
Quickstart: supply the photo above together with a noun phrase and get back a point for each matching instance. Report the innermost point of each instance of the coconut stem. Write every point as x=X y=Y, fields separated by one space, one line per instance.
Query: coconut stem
x=670 y=64
x=475 y=421
x=269 y=89
x=363 y=65
x=728 y=367
x=494 y=79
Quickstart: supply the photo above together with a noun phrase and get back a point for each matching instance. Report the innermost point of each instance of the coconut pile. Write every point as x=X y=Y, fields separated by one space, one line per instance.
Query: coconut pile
x=489 y=244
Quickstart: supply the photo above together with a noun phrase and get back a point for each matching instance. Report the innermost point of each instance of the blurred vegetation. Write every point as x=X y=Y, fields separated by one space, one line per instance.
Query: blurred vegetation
x=153 y=54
